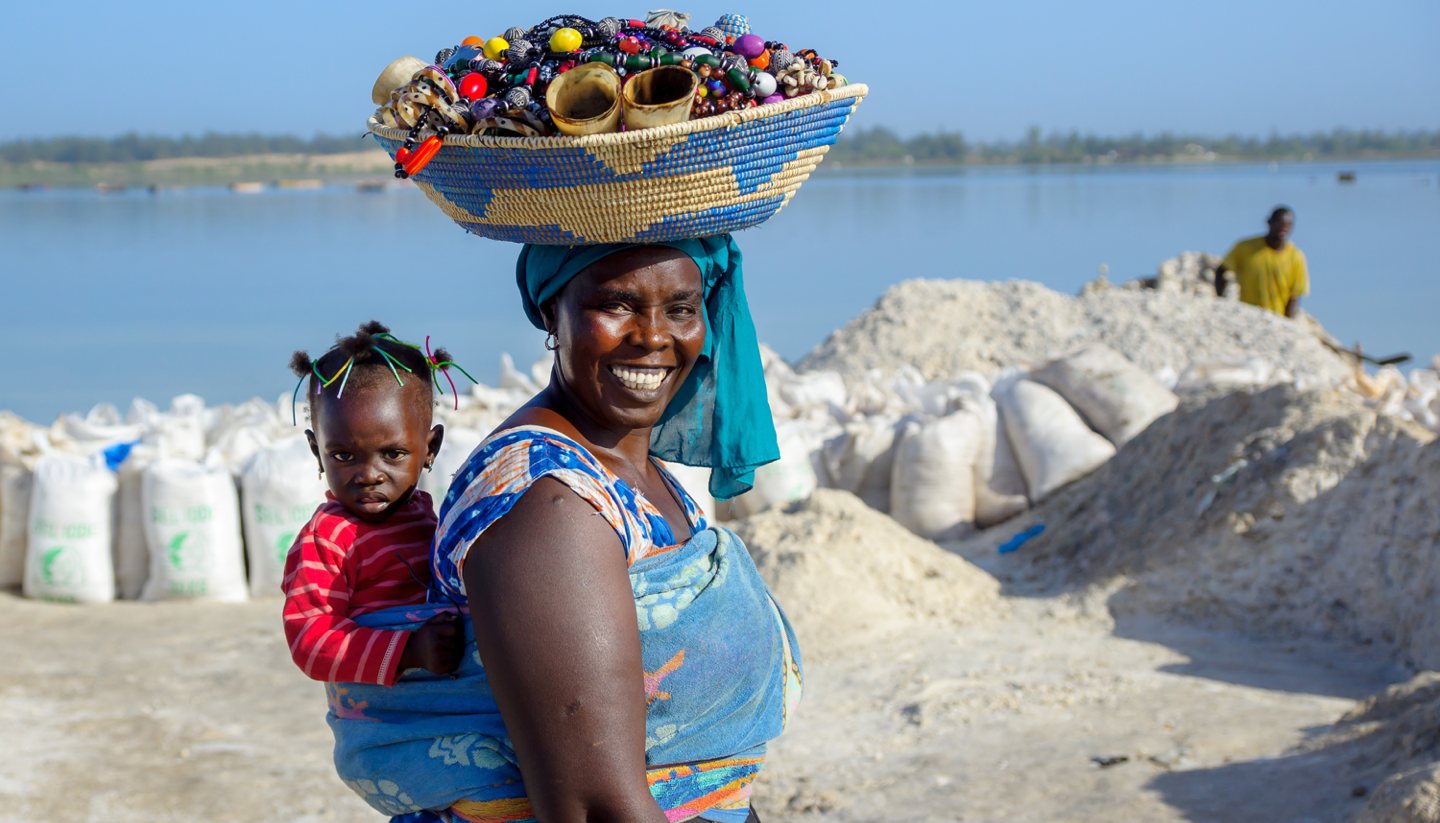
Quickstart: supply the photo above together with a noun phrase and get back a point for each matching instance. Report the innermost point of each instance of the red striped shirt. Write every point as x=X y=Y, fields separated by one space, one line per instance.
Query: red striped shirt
x=339 y=567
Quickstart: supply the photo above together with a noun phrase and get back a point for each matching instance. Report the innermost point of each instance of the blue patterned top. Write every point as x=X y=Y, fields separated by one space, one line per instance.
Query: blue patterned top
x=722 y=671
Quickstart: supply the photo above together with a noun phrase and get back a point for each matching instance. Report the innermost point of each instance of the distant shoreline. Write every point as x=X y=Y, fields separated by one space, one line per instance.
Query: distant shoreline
x=373 y=168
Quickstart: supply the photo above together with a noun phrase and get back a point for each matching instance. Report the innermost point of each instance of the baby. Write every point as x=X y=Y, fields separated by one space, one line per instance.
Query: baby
x=368 y=545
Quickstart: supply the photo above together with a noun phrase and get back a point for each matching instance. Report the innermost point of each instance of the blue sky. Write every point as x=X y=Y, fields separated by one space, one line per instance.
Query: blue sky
x=987 y=69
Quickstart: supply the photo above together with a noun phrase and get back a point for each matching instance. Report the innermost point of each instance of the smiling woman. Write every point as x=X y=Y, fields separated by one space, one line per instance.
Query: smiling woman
x=631 y=665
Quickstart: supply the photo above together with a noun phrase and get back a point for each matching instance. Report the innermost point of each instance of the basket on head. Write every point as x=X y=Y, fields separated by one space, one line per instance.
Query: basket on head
x=693 y=179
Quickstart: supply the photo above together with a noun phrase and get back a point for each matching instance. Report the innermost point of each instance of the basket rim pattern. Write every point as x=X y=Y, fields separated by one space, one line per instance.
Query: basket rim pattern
x=641 y=136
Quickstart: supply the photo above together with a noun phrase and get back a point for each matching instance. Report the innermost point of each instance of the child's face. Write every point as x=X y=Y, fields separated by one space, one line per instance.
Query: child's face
x=372 y=444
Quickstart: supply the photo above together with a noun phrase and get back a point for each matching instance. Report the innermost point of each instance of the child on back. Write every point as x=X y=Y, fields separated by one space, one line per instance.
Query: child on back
x=368 y=545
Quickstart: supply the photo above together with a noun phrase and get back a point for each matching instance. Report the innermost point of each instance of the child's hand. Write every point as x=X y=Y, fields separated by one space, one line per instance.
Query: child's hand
x=435 y=646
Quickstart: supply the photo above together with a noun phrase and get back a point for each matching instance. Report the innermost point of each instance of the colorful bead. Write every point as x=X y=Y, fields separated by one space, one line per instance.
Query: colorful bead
x=737 y=80
x=774 y=98
x=496 y=47
x=763 y=84
x=761 y=61
x=472 y=40
x=519 y=52
x=422 y=156
x=714 y=33
x=717 y=88
x=443 y=55
x=749 y=45
x=566 y=40
x=607 y=28
x=630 y=44
x=473 y=86
x=484 y=108
x=733 y=25
x=780 y=60
x=518 y=97
x=639 y=62
x=514 y=33
x=697 y=51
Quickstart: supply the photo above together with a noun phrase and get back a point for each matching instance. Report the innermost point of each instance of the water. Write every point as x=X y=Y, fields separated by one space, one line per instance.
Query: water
x=108 y=297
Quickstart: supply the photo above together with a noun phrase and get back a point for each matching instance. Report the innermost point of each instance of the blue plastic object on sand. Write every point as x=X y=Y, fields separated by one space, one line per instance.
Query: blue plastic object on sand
x=1021 y=538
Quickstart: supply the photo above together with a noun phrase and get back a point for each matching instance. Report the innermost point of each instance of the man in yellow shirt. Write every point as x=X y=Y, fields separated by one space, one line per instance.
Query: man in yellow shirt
x=1270 y=269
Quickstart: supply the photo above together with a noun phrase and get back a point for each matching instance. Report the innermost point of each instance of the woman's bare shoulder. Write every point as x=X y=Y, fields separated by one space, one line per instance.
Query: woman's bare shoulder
x=551 y=519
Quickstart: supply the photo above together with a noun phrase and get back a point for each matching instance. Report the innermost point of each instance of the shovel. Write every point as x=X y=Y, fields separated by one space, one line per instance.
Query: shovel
x=1358 y=354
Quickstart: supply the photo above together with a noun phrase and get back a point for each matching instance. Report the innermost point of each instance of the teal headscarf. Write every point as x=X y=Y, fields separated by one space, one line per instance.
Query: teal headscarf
x=720 y=418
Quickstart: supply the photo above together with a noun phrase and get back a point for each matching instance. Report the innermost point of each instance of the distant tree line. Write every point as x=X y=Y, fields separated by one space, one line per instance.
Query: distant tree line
x=875 y=145
x=878 y=145
x=136 y=148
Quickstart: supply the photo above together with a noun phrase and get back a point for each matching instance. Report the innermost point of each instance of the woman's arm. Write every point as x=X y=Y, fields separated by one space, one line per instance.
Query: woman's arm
x=555 y=625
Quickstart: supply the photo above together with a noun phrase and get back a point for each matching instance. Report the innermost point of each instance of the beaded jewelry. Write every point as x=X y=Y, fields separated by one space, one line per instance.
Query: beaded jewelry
x=505 y=78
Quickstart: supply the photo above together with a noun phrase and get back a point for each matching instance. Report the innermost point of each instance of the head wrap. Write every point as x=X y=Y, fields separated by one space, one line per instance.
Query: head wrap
x=720 y=418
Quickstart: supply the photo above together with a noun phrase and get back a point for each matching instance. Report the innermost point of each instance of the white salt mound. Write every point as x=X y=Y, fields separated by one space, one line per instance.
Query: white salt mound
x=1396 y=733
x=1282 y=511
x=841 y=570
x=944 y=327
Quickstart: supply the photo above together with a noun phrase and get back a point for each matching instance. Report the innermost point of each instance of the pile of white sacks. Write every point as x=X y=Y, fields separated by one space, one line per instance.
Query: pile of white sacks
x=945 y=457
x=199 y=502
x=194 y=502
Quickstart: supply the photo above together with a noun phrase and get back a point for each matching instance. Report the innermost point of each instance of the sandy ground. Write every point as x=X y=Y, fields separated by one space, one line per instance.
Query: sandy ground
x=171 y=712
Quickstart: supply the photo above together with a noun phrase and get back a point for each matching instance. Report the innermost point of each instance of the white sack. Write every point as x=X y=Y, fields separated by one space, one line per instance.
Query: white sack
x=192 y=529
x=1051 y=442
x=179 y=433
x=999 y=484
x=1225 y=373
x=514 y=379
x=454 y=451
x=72 y=514
x=132 y=551
x=98 y=430
x=16 y=481
x=932 y=490
x=279 y=492
x=861 y=458
x=804 y=391
x=787 y=480
x=237 y=432
x=696 y=482
x=1116 y=397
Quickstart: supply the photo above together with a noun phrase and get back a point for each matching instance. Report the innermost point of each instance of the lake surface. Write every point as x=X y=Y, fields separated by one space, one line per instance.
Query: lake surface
x=108 y=297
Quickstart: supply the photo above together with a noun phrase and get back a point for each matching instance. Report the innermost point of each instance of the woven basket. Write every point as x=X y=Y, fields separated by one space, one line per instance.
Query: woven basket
x=692 y=179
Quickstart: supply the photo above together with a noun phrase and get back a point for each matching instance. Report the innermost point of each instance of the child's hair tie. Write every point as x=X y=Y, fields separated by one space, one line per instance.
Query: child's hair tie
x=440 y=361
x=366 y=346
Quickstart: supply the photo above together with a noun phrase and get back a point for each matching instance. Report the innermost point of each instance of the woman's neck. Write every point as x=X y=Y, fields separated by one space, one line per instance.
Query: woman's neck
x=625 y=452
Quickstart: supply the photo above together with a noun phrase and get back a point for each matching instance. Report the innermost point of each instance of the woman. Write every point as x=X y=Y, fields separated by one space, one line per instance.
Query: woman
x=636 y=659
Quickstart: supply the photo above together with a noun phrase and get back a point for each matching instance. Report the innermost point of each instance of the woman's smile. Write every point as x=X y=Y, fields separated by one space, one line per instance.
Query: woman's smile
x=643 y=379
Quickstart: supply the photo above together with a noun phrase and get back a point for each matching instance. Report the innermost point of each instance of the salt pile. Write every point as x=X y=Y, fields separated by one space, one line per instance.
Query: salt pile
x=946 y=327
x=1283 y=511
x=850 y=571
x=1396 y=736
